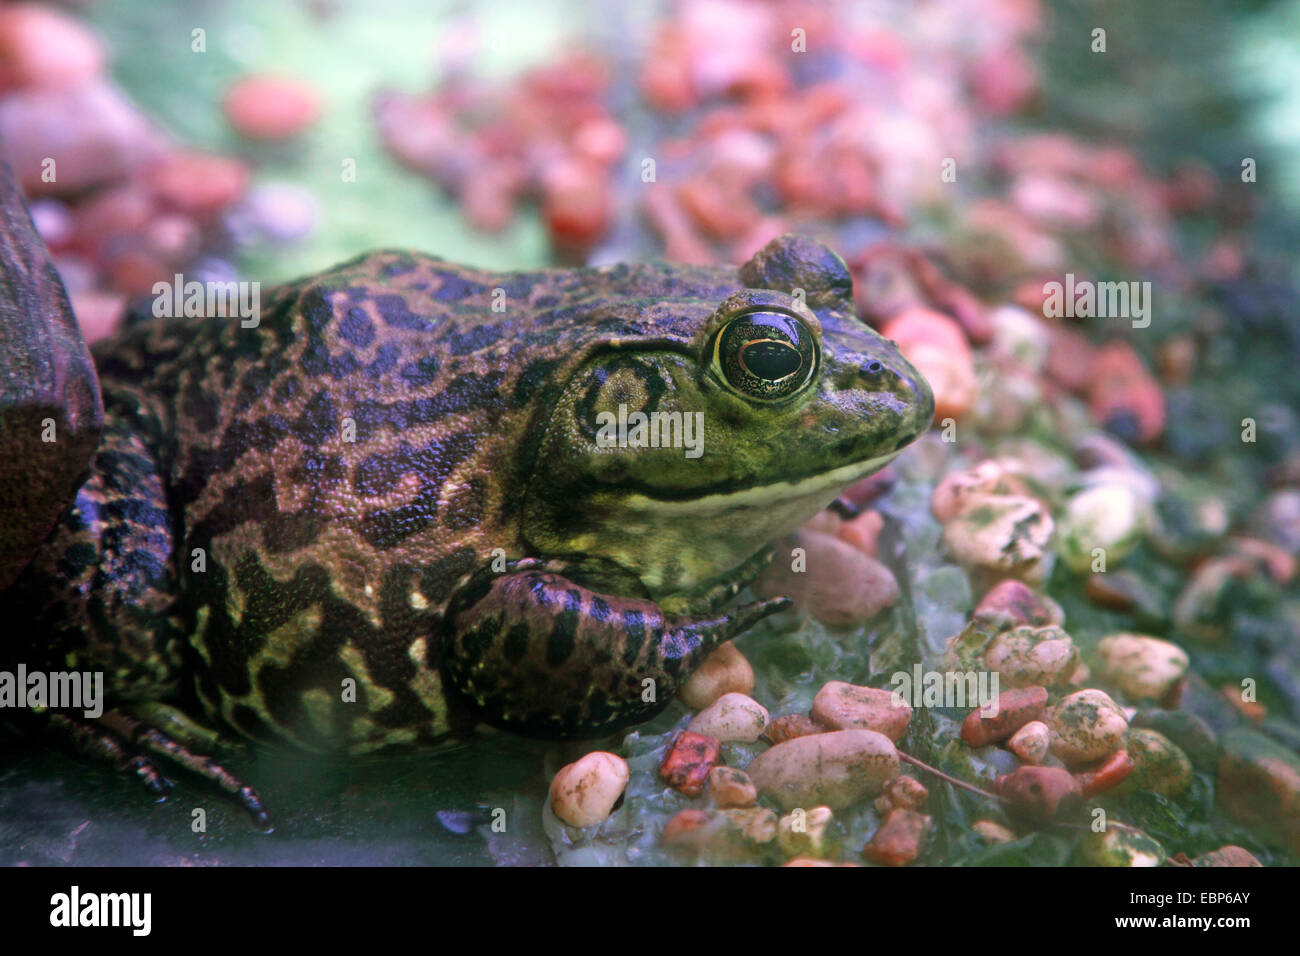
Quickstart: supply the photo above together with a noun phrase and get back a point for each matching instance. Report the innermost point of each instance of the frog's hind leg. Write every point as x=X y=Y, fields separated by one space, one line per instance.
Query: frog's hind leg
x=100 y=596
x=115 y=739
x=156 y=742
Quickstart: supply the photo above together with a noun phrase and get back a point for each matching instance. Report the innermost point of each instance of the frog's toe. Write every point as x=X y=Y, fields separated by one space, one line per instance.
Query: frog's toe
x=103 y=745
x=147 y=772
x=711 y=598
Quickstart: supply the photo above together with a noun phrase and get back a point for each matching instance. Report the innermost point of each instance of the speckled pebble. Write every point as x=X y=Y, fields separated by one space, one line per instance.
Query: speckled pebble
x=724 y=671
x=1031 y=742
x=730 y=718
x=1087 y=725
x=1144 y=668
x=584 y=792
x=731 y=787
x=837 y=769
x=842 y=706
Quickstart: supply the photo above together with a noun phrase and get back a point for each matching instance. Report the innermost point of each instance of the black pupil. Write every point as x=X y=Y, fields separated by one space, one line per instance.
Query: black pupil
x=770 y=360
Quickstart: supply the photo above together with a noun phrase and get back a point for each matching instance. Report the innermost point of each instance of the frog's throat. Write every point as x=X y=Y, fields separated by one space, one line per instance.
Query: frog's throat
x=815 y=487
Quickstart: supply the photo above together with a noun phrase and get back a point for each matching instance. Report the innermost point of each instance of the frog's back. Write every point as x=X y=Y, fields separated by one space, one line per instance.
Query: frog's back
x=358 y=381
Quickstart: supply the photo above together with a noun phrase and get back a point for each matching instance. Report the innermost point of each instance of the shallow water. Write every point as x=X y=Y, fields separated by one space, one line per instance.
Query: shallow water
x=398 y=809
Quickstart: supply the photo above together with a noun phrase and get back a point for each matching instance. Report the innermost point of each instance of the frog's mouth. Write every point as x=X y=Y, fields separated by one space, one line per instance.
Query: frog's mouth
x=826 y=484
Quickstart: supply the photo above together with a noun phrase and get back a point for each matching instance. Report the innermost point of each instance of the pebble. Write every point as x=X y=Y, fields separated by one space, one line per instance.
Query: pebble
x=825 y=522
x=135 y=270
x=1015 y=708
x=842 y=706
x=1252 y=710
x=960 y=489
x=99 y=314
x=756 y=824
x=732 y=717
x=906 y=792
x=1032 y=656
x=280 y=212
x=687 y=763
x=271 y=108
x=1020 y=336
x=102 y=137
x=1112 y=517
x=866 y=490
x=1120 y=846
x=724 y=671
x=199 y=184
x=862 y=532
x=577 y=206
x=584 y=792
x=1071 y=359
x=1006 y=534
x=41 y=47
x=993 y=832
x=899 y=839
x=788 y=726
x=1039 y=795
x=731 y=787
x=1259 y=786
x=1143 y=667
x=917 y=325
x=1159 y=765
x=805 y=832
x=840 y=585
x=938 y=348
x=1124 y=397
x=1007 y=408
x=1087 y=725
x=53 y=221
x=1227 y=856
x=1011 y=603
x=837 y=769
x=1031 y=742
x=720 y=210
x=173 y=238
x=1108 y=774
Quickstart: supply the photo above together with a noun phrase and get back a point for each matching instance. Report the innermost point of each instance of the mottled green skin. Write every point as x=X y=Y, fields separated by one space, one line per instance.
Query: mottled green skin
x=276 y=510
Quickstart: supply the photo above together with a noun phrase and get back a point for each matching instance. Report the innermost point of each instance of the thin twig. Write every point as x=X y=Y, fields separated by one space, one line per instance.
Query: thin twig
x=908 y=758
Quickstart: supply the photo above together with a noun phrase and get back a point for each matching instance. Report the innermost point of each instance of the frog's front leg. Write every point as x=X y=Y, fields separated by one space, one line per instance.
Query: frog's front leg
x=540 y=655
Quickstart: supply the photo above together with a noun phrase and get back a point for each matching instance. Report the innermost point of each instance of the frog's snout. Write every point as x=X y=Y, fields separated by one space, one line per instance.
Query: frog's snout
x=912 y=382
x=900 y=378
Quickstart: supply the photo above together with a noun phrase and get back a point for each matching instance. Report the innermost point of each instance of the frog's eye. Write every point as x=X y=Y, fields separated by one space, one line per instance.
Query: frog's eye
x=765 y=355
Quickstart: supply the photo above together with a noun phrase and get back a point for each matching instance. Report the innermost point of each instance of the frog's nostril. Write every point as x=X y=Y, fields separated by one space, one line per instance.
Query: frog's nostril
x=873 y=368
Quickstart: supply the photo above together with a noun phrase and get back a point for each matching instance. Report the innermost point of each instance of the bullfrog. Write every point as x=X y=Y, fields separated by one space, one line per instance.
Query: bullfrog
x=397 y=504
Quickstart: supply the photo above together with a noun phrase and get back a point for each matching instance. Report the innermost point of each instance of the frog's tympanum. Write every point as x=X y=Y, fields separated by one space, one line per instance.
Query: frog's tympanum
x=393 y=485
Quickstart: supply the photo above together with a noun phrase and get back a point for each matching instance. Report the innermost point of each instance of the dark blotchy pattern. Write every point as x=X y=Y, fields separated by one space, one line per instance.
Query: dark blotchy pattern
x=343 y=465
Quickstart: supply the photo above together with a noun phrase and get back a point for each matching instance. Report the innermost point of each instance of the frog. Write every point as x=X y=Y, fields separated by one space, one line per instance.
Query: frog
x=390 y=510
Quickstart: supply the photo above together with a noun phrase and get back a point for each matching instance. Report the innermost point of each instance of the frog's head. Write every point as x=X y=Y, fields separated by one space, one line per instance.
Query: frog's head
x=770 y=395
